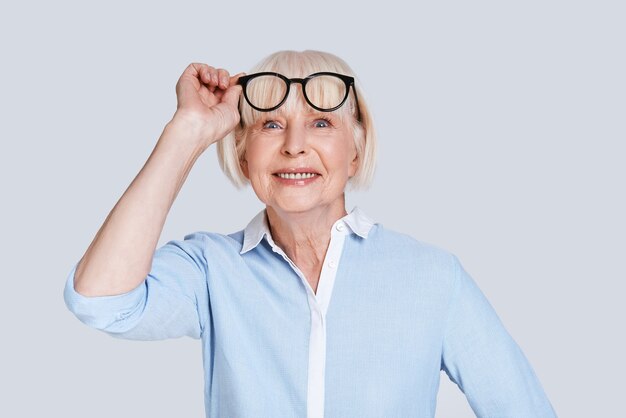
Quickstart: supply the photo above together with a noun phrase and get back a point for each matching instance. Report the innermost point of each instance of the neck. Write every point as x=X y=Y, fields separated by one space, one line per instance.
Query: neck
x=305 y=236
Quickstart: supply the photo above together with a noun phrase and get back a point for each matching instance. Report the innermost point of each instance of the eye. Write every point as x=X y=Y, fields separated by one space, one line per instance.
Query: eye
x=322 y=123
x=270 y=124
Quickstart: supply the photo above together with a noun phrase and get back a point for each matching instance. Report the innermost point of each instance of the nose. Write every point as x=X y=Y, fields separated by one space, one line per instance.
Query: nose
x=295 y=141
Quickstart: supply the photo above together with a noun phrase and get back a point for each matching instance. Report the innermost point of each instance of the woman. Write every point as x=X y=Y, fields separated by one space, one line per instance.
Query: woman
x=275 y=343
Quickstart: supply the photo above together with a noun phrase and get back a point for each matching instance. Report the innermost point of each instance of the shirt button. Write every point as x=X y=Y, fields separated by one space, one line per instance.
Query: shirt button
x=332 y=264
x=340 y=227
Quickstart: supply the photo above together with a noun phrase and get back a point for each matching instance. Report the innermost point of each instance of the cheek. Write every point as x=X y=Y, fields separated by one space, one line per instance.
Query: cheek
x=341 y=154
x=257 y=159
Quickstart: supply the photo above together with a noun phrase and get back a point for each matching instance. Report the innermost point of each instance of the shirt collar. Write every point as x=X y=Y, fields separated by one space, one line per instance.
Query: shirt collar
x=258 y=227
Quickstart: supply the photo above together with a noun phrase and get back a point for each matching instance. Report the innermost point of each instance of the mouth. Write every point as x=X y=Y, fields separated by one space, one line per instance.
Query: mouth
x=297 y=173
x=296 y=176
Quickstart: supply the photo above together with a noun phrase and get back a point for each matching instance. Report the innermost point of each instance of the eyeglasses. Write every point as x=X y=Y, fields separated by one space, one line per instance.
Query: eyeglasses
x=323 y=91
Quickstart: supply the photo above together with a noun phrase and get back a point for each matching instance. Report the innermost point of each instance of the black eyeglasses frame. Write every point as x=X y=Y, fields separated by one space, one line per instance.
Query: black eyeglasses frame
x=348 y=80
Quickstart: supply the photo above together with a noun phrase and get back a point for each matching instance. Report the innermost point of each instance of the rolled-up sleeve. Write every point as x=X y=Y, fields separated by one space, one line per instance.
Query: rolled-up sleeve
x=481 y=357
x=171 y=302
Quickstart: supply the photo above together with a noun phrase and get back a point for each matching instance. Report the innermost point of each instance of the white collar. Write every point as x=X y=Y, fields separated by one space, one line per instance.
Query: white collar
x=258 y=227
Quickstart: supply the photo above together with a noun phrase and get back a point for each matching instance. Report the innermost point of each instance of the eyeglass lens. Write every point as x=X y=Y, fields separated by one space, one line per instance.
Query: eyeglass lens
x=323 y=91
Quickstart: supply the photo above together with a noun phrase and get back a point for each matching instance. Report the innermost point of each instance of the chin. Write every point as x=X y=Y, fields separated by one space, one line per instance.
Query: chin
x=296 y=206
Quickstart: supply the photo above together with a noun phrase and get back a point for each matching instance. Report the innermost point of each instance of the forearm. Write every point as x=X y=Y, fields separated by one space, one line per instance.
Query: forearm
x=120 y=256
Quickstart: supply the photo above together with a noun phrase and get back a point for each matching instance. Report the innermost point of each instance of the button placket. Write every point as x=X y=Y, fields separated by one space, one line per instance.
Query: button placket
x=318 y=304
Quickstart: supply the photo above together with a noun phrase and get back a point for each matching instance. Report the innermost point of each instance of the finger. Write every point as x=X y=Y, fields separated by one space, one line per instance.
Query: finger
x=231 y=95
x=228 y=103
x=210 y=75
x=204 y=72
x=191 y=78
x=197 y=69
x=224 y=78
x=201 y=71
x=234 y=79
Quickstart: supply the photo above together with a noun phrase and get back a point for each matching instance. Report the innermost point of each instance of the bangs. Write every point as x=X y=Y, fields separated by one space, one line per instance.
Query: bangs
x=323 y=91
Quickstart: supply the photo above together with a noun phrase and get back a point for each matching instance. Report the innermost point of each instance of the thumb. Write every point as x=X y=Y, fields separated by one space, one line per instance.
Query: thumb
x=231 y=95
x=228 y=105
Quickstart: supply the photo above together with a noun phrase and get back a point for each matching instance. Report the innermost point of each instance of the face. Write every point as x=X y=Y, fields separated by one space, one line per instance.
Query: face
x=302 y=140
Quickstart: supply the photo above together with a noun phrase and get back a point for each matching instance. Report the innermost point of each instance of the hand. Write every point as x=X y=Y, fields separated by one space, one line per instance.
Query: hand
x=208 y=102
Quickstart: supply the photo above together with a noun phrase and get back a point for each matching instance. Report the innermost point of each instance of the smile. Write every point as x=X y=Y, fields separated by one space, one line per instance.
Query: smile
x=297 y=179
x=296 y=175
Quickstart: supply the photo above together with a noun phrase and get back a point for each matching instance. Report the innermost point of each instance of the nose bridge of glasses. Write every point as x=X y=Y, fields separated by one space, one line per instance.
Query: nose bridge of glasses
x=300 y=100
x=299 y=81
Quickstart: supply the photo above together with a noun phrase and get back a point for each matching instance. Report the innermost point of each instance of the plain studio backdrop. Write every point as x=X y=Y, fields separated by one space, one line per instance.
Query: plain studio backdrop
x=501 y=135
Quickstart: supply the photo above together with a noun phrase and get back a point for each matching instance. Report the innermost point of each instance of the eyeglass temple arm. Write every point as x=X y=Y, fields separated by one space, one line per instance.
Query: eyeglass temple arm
x=358 y=109
x=239 y=110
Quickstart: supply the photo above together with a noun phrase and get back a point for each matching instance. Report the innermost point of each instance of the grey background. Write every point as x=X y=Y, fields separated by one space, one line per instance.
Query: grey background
x=501 y=130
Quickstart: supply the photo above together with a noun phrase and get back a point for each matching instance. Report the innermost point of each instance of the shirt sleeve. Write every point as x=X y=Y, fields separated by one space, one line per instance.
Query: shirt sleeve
x=484 y=361
x=171 y=302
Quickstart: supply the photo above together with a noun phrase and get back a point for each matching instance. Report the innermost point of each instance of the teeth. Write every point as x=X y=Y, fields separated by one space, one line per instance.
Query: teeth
x=296 y=176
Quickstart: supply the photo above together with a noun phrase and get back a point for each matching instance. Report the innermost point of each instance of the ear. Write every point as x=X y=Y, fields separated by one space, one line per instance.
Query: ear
x=359 y=137
x=354 y=165
x=244 y=168
x=243 y=162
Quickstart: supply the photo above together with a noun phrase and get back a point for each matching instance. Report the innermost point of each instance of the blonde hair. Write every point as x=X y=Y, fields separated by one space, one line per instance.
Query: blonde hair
x=231 y=149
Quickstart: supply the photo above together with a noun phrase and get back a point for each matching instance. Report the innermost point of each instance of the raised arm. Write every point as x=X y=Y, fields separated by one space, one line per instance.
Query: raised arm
x=120 y=256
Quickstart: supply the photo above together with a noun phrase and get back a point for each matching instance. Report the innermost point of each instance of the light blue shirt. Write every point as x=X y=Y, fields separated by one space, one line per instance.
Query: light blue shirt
x=401 y=311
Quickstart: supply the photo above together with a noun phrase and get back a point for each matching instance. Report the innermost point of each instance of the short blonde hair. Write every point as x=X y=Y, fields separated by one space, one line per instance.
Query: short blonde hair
x=231 y=149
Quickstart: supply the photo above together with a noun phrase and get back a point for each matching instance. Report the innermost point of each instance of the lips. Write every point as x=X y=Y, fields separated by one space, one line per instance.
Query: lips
x=296 y=170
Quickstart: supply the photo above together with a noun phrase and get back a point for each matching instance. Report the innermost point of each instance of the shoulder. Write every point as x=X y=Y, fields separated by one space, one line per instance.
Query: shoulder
x=401 y=247
x=401 y=242
x=204 y=241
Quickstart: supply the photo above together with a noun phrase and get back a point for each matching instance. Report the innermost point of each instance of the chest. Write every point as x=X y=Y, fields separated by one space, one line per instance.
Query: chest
x=312 y=276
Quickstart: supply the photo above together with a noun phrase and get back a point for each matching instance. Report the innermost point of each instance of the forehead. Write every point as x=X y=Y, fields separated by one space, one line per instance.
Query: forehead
x=303 y=111
x=293 y=106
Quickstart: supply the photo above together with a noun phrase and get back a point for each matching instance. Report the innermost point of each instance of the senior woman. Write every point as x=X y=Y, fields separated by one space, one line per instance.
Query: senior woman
x=310 y=311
